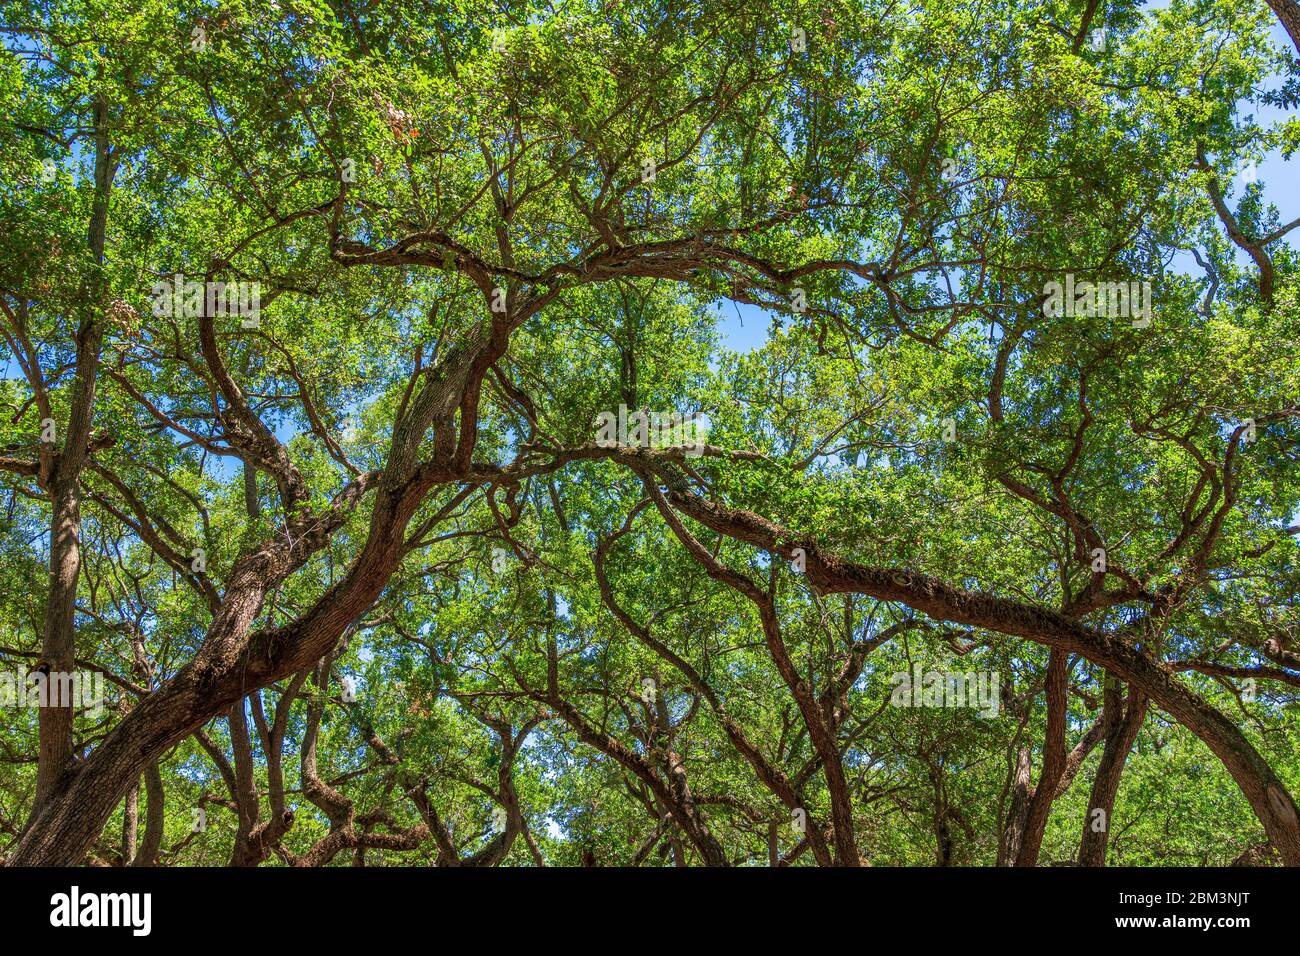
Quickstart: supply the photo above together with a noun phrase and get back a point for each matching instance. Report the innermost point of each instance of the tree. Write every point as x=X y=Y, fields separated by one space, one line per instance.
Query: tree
x=352 y=358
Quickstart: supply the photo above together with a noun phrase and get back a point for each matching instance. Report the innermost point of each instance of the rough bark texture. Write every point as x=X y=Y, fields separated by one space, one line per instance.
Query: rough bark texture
x=1105 y=785
x=1022 y=790
x=1040 y=804
x=130 y=824
x=1288 y=11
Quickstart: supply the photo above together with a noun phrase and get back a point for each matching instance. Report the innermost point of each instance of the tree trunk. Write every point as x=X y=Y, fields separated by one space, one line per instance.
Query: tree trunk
x=1013 y=831
x=1288 y=11
x=155 y=817
x=1105 y=785
x=130 y=824
x=58 y=639
x=234 y=661
x=1040 y=804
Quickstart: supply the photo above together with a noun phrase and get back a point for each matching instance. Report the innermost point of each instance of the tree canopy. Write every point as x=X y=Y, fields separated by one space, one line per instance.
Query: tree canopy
x=374 y=425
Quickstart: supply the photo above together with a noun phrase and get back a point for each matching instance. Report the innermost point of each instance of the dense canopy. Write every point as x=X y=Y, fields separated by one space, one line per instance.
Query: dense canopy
x=811 y=432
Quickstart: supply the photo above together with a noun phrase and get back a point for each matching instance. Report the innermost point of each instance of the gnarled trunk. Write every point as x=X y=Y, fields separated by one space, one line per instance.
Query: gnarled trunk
x=1105 y=785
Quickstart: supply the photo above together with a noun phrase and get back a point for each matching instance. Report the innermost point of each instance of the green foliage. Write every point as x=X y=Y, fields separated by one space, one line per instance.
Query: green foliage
x=624 y=173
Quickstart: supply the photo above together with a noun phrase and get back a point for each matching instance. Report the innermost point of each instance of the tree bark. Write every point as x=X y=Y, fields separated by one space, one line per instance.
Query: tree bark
x=1040 y=804
x=130 y=824
x=58 y=640
x=155 y=819
x=1022 y=789
x=227 y=668
x=1105 y=785
x=1288 y=11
